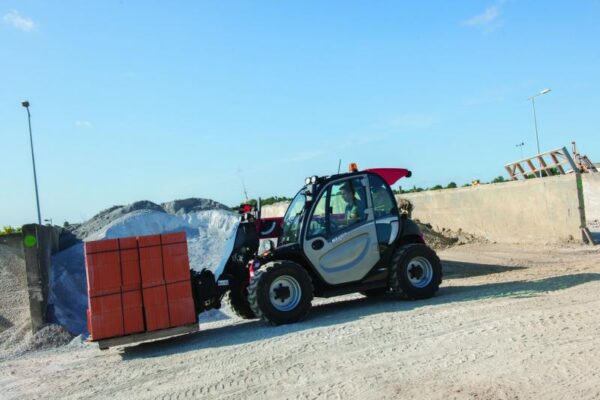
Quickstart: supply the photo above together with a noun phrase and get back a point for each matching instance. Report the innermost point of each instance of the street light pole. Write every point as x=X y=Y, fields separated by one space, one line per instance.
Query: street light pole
x=37 y=197
x=532 y=98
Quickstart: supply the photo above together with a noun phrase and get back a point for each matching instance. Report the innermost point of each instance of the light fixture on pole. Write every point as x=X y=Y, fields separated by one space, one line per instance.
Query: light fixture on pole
x=532 y=98
x=37 y=197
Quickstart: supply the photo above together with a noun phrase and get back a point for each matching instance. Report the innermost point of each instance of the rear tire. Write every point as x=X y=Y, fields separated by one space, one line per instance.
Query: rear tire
x=416 y=272
x=281 y=293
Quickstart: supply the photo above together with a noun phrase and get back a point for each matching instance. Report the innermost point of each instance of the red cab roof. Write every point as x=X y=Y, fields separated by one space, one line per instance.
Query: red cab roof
x=391 y=175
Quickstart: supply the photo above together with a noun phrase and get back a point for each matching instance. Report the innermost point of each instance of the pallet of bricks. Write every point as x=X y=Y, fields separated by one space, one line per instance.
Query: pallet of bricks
x=138 y=285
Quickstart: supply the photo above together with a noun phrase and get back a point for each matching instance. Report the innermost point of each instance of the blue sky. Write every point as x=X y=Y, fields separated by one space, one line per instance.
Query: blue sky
x=136 y=100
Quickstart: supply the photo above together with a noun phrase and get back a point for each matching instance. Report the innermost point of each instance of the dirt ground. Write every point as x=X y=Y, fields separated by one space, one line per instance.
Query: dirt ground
x=510 y=321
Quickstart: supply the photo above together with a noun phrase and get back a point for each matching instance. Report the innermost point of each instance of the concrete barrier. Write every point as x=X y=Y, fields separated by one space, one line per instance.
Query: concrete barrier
x=534 y=210
x=39 y=243
x=591 y=195
x=14 y=241
x=274 y=210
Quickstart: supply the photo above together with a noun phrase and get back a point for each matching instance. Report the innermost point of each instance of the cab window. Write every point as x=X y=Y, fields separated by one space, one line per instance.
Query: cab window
x=318 y=222
x=383 y=200
x=347 y=204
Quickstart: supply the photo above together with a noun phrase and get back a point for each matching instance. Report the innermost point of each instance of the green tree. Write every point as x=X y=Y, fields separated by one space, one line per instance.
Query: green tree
x=499 y=179
x=451 y=185
x=7 y=230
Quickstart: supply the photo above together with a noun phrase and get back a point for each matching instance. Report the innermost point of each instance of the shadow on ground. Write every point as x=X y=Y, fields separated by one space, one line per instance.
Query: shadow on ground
x=457 y=269
x=350 y=310
x=4 y=324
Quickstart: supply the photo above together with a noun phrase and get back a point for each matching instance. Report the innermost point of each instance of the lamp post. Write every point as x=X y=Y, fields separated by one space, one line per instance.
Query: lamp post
x=37 y=197
x=532 y=98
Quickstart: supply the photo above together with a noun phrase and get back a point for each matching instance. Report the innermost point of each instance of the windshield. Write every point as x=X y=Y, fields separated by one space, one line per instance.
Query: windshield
x=292 y=220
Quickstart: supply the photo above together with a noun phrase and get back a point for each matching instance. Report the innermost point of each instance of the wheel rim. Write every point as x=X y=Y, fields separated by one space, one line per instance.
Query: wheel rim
x=285 y=293
x=419 y=272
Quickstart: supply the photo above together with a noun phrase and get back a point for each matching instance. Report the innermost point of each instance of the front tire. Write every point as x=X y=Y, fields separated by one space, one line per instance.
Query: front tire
x=237 y=299
x=281 y=293
x=416 y=272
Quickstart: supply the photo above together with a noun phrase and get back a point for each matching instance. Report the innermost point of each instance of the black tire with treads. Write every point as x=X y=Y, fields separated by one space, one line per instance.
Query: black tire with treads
x=399 y=282
x=237 y=299
x=259 y=296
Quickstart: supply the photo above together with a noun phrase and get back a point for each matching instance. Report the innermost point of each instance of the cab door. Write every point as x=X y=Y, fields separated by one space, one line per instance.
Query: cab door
x=385 y=211
x=341 y=238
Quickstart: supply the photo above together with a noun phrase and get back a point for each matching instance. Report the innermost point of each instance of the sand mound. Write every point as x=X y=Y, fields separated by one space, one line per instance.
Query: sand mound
x=447 y=238
x=14 y=302
x=108 y=216
x=50 y=336
x=186 y=206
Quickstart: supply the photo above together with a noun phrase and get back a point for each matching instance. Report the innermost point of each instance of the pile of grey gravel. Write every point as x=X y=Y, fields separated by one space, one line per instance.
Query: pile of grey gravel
x=105 y=217
x=447 y=238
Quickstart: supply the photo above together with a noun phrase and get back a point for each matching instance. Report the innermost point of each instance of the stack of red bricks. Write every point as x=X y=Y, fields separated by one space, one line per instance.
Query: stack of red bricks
x=138 y=284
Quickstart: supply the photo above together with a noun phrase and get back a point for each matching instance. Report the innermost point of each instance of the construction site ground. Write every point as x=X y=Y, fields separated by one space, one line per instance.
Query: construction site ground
x=510 y=321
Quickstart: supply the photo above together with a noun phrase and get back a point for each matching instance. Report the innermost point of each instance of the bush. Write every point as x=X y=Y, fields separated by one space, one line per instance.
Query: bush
x=7 y=230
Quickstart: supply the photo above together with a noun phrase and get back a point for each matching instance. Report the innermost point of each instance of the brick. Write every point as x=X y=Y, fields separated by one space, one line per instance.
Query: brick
x=151 y=267
x=103 y=273
x=98 y=246
x=156 y=308
x=176 y=264
x=177 y=237
x=130 y=269
x=181 y=303
x=105 y=316
x=133 y=312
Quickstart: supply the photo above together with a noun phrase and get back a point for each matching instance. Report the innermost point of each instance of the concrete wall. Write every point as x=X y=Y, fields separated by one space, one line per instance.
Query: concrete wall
x=13 y=240
x=535 y=210
x=40 y=242
x=591 y=195
x=274 y=210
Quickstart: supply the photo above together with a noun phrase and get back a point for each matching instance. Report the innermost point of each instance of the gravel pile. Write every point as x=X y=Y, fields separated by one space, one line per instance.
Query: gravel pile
x=14 y=302
x=106 y=217
x=447 y=238
x=186 y=206
x=50 y=336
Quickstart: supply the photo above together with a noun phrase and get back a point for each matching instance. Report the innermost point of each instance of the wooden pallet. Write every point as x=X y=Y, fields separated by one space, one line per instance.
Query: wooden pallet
x=104 y=344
